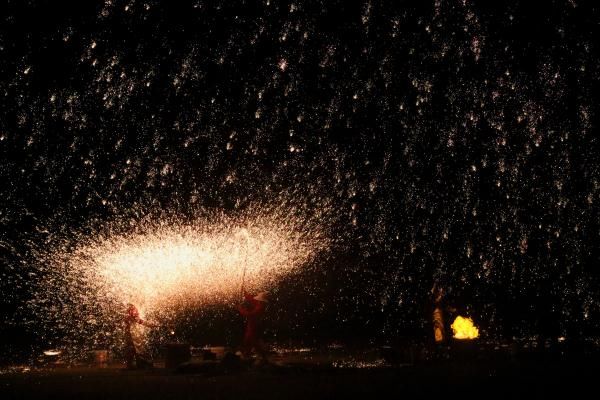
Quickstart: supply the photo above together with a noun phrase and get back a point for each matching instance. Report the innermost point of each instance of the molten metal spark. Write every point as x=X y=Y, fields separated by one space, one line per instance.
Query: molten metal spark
x=184 y=264
x=166 y=266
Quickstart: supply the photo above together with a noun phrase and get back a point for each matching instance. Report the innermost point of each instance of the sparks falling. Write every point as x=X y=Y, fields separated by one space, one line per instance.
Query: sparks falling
x=166 y=266
x=190 y=263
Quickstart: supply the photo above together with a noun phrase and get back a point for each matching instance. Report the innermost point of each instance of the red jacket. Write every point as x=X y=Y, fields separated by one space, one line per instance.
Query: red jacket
x=133 y=317
x=253 y=314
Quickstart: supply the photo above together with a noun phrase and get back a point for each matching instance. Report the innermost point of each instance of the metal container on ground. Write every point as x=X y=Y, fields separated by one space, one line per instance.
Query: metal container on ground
x=218 y=351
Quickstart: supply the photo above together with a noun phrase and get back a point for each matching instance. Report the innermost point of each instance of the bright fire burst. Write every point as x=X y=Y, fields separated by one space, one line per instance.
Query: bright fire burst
x=182 y=264
x=179 y=265
x=163 y=267
x=463 y=328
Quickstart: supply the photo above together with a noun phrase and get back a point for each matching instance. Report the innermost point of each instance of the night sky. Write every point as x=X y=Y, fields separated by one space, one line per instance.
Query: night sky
x=448 y=141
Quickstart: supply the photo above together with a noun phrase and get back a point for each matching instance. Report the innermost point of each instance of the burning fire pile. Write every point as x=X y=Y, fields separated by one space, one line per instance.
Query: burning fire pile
x=464 y=329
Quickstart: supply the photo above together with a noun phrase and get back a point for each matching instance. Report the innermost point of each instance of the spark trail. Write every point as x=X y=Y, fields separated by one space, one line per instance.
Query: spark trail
x=164 y=266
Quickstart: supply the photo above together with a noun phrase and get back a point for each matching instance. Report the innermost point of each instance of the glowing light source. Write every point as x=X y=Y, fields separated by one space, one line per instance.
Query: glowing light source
x=183 y=264
x=463 y=328
x=166 y=267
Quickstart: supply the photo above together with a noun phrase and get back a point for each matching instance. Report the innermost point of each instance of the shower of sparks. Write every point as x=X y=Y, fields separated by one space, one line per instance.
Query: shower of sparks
x=180 y=264
x=447 y=143
x=165 y=267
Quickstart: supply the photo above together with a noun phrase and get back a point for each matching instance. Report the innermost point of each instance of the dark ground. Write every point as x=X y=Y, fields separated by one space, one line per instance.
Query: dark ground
x=528 y=377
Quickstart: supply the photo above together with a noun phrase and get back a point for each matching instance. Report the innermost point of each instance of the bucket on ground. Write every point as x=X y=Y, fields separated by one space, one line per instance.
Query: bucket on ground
x=214 y=353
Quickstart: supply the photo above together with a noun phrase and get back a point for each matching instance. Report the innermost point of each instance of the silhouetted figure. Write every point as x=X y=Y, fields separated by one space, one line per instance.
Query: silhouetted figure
x=440 y=313
x=253 y=311
x=437 y=316
x=132 y=356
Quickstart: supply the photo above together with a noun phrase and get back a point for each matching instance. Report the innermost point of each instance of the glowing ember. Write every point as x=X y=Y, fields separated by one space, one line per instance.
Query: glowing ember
x=464 y=328
x=51 y=353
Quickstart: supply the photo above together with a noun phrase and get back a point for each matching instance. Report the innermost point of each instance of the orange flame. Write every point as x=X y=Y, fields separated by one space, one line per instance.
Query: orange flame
x=463 y=328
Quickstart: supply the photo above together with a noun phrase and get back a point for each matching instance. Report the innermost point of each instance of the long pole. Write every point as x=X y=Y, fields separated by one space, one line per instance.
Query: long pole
x=245 y=262
x=243 y=279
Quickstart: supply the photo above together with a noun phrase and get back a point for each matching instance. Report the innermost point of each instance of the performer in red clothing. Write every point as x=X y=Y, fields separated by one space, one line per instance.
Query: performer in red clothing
x=131 y=320
x=253 y=312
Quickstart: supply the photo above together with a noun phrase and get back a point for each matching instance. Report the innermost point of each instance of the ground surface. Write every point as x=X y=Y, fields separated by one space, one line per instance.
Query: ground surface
x=448 y=378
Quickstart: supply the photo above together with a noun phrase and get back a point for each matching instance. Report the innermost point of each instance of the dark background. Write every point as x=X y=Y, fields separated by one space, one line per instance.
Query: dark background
x=450 y=141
